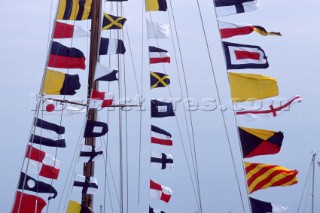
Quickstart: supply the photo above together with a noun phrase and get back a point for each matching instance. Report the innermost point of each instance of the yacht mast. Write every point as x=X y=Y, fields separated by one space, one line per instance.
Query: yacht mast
x=88 y=169
x=313 y=179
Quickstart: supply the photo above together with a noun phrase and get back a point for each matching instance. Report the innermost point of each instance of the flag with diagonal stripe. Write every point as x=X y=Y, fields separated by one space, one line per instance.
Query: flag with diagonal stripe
x=261 y=176
x=159 y=80
x=112 y=22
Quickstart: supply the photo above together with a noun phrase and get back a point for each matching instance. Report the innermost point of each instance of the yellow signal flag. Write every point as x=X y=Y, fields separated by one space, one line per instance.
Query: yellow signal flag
x=156 y=5
x=58 y=83
x=248 y=87
x=75 y=207
x=74 y=10
x=261 y=176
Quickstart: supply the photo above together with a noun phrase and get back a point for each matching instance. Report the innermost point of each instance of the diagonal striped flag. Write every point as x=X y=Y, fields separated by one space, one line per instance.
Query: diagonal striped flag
x=261 y=176
x=158 y=79
x=112 y=22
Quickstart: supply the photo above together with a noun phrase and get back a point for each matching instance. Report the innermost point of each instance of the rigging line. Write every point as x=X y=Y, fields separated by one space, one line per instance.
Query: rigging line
x=120 y=125
x=116 y=191
x=107 y=161
x=187 y=91
x=235 y=118
x=131 y=56
x=126 y=123
x=36 y=114
x=219 y=102
x=306 y=199
x=141 y=108
x=107 y=144
x=61 y=117
x=106 y=181
x=72 y=168
x=304 y=187
x=126 y=139
x=178 y=126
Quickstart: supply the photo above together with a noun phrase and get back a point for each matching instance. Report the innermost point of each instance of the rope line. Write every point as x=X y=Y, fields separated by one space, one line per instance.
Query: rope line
x=219 y=102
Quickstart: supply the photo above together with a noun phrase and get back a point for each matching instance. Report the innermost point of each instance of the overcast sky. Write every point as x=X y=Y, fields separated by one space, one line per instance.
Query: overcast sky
x=293 y=61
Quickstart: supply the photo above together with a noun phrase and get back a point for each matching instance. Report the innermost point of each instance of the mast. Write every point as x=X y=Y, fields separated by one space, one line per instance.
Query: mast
x=313 y=178
x=88 y=169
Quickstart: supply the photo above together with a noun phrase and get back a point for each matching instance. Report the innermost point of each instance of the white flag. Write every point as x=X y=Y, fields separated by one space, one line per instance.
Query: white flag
x=104 y=73
x=157 y=30
x=278 y=208
x=80 y=32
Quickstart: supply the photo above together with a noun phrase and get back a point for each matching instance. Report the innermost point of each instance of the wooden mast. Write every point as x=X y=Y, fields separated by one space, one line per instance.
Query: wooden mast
x=88 y=169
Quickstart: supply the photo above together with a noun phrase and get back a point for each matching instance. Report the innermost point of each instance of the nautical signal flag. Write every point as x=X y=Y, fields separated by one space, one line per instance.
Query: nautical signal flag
x=26 y=203
x=249 y=87
x=228 y=30
x=259 y=206
x=157 y=55
x=45 y=125
x=75 y=207
x=270 y=111
x=90 y=153
x=160 y=192
x=158 y=79
x=152 y=210
x=256 y=142
x=100 y=100
x=48 y=134
x=112 y=22
x=58 y=83
x=156 y=5
x=63 y=30
x=261 y=176
x=104 y=73
x=66 y=57
x=74 y=10
x=110 y=46
x=85 y=185
x=241 y=56
x=95 y=129
x=42 y=164
x=229 y=7
x=161 y=161
x=161 y=109
x=30 y=184
x=157 y=30
x=160 y=136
